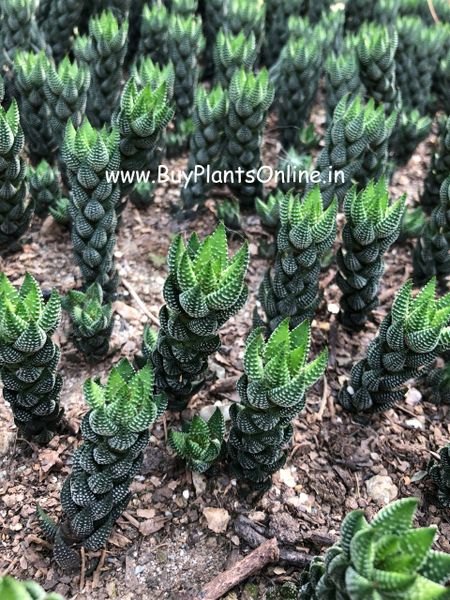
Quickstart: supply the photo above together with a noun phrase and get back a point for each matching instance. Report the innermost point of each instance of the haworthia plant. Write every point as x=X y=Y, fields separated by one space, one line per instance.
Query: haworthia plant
x=29 y=358
x=59 y=25
x=231 y=53
x=115 y=433
x=142 y=195
x=277 y=15
x=229 y=212
x=411 y=129
x=13 y=589
x=384 y=558
x=411 y=336
x=341 y=79
x=306 y=232
x=19 y=30
x=154 y=33
x=200 y=442
x=45 y=189
x=15 y=209
x=60 y=211
x=438 y=382
x=212 y=19
x=89 y=154
x=204 y=288
x=272 y=393
x=372 y=226
x=293 y=170
x=439 y=471
x=439 y=170
x=442 y=81
x=247 y=16
x=148 y=345
x=92 y=321
x=184 y=7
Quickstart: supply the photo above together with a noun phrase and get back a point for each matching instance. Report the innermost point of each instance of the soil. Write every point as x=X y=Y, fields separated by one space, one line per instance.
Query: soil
x=162 y=547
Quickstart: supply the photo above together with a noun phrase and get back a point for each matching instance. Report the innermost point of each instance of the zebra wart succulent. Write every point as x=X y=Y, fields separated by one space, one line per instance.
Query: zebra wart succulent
x=62 y=19
x=341 y=79
x=45 y=189
x=231 y=53
x=411 y=129
x=438 y=381
x=272 y=393
x=29 y=358
x=386 y=558
x=154 y=33
x=19 y=30
x=439 y=471
x=439 y=170
x=410 y=337
x=278 y=13
x=13 y=589
x=92 y=321
x=372 y=226
x=245 y=16
x=306 y=232
x=115 y=433
x=200 y=443
x=204 y=288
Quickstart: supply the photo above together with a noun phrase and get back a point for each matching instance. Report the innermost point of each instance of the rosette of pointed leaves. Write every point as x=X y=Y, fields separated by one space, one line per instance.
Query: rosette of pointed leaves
x=246 y=16
x=148 y=345
x=89 y=154
x=272 y=393
x=177 y=139
x=229 y=212
x=115 y=433
x=15 y=210
x=212 y=19
x=432 y=252
x=63 y=17
x=232 y=52
x=341 y=79
x=386 y=558
x=13 y=589
x=106 y=54
x=306 y=232
x=278 y=13
x=412 y=224
x=29 y=358
x=372 y=226
x=142 y=194
x=44 y=187
x=410 y=130
x=82 y=50
x=376 y=54
x=206 y=142
x=297 y=82
x=92 y=321
x=200 y=442
x=154 y=33
x=19 y=30
x=250 y=97
x=204 y=288
x=66 y=88
x=410 y=337
x=269 y=211
x=185 y=43
x=184 y=7
x=60 y=211
x=330 y=29
x=149 y=72
x=438 y=380
x=439 y=170
x=439 y=471
x=293 y=168
x=31 y=72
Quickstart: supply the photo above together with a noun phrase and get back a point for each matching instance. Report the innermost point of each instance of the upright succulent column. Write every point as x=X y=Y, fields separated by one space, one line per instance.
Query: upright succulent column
x=272 y=393
x=297 y=82
x=206 y=143
x=439 y=471
x=31 y=72
x=438 y=381
x=19 y=30
x=250 y=97
x=341 y=79
x=231 y=53
x=115 y=433
x=24 y=590
x=247 y=16
x=154 y=33
x=63 y=17
x=45 y=189
x=372 y=226
x=89 y=154
x=204 y=288
x=277 y=15
x=29 y=358
x=306 y=232
x=91 y=320
x=213 y=18
x=108 y=46
x=410 y=337
x=184 y=8
x=411 y=129
x=365 y=562
x=439 y=170
x=15 y=210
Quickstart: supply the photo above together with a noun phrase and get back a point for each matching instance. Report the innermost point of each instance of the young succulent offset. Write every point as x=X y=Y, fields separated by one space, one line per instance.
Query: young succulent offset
x=45 y=189
x=115 y=433
x=272 y=393
x=29 y=358
x=291 y=287
x=231 y=53
x=89 y=154
x=60 y=24
x=384 y=558
x=410 y=337
x=341 y=79
x=372 y=226
x=439 y=170
x=92 y=321
x=154 y=33
x=203 y=290
x=13 y=589
x=229 y=212
x=200 y=443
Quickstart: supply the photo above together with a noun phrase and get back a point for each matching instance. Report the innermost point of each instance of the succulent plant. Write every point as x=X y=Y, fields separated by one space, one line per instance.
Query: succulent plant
x=341 y=79
x=229 y=212
x=92 y=321
x=442 y=81
x=31 y=72
x=372 y=226
x=278 y=13
x=306 y=232
x=272 y=393
x=206 y=142
x=439 y=471
x=82 y=50
x=142 y=194
x=386 y=558
x=149 y=72
x=412 y=224
x=177 y=138
x=13 y=589
x=45 y=189
x=232 y=52
x=294 y=167
x=410 y=337
x=154 y=33
x=60 y=211
x=106 y=55
x=200 y=442
x=204 y=288
x=184 y=7
x=29 y=358
x=411 y=129
x=59 y=25
x=439 y=170
x=250 y=97
x=115 y=433
x=15 y=209
x=89 y=154
x=148 y=345
x=383 y=12
x=247 y=16
x=438 y=381
x=19 y=30
x=316 y=9
x=432 y=251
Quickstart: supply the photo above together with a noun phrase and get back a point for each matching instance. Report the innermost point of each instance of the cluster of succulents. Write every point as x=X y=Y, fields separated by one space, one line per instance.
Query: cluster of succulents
x=154 y=32
x=231 y=53
x=342 y=78
x=45 y=189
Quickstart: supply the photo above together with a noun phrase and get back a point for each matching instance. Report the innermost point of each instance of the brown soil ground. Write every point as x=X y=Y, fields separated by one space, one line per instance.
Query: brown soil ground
x=162 y=547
